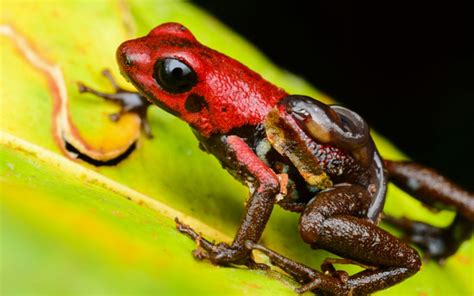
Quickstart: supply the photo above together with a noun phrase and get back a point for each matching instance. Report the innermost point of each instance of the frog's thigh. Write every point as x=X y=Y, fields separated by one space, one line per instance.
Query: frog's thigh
x=335 y=221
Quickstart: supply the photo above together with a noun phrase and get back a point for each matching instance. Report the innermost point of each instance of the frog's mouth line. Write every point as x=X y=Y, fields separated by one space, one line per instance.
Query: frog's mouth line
x=153 y=100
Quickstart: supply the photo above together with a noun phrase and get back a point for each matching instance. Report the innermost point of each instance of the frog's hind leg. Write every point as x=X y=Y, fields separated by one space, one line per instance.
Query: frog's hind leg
x=335 y=221
x=438 y=192
x=301 y=273
x=438 y=242
x=127 y=100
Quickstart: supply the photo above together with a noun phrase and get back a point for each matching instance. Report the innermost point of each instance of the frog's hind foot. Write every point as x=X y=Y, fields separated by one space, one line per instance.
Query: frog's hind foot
x=129 y=102
x=336 y=282
x=436 y=192
x=311 y=280
x=438 y=243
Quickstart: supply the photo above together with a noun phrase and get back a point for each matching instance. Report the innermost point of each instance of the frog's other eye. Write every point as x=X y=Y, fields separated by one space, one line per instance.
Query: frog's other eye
x=174 y=76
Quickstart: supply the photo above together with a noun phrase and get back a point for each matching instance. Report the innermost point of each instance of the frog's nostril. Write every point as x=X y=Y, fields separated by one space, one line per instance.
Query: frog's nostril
x=124 y=56
x=127 y=61
x=132 y=53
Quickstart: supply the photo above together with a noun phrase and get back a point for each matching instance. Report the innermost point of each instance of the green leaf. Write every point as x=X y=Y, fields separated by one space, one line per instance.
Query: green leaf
x=68 y=230
x=72 y=228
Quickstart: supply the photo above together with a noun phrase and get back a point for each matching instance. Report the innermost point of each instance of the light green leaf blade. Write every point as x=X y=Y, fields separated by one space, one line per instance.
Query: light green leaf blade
x=64 y=231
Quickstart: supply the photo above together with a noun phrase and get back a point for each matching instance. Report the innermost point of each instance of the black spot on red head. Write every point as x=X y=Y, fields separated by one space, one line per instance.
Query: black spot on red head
x=194 y=103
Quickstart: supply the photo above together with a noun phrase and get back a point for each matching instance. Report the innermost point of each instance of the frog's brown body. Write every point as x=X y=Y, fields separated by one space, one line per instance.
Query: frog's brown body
x=294 y=151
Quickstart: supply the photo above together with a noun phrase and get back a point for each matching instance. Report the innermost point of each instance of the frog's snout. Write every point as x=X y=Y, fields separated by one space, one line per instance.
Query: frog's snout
x=124 y=55
x=131 y=54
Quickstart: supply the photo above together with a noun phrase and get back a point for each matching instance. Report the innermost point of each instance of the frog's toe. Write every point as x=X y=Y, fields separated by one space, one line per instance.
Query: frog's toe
x=145 y=125
x=327 y=285
x=251 y=264
x=114 y=117
x=200 y=254
x=81 y=87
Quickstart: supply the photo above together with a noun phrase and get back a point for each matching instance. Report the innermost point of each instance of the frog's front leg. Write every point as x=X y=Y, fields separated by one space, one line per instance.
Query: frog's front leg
x=335 y=220
x=257 y=212
x=436 y=191
x=129 y=102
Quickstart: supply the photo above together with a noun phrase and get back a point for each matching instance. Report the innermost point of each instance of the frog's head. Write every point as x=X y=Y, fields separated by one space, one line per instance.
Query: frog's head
x=207 y=89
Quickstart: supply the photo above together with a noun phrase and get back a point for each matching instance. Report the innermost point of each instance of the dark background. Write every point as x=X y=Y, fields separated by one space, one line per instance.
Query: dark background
x=407 y=68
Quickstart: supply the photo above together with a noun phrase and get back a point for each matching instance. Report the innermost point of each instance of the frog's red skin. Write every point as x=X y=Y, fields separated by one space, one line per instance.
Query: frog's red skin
x=227 y=87
x=228 y=109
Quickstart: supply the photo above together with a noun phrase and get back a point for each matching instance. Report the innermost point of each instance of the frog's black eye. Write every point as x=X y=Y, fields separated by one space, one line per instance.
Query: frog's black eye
x=174 y=76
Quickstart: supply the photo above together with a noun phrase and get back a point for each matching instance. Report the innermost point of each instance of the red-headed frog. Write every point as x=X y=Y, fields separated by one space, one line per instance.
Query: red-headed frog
x=308 y=157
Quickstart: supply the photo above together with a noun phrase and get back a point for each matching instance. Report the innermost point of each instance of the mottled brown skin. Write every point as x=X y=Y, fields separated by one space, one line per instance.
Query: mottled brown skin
x=336 y=220
x=436 y=192
x=332 y=172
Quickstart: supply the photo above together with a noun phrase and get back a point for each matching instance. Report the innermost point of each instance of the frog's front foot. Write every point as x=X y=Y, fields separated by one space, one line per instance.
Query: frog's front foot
x=129 y=102
x=219 y=254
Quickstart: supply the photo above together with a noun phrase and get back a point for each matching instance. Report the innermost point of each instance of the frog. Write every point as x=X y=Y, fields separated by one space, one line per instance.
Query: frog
x=294 y=151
